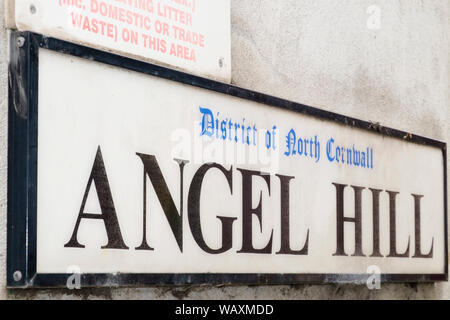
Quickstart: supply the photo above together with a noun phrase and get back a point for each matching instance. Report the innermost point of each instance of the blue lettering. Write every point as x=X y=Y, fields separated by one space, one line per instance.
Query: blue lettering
x=223 y=126
x=268 y=140
x=317 y=148
x=207 y=122
x=356 y=157
x=290 y=143
x=338 y=154
x=300 y=146
x=329 y=150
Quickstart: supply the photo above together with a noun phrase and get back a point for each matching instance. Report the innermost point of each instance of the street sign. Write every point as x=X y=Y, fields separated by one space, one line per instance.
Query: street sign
x=132 y=174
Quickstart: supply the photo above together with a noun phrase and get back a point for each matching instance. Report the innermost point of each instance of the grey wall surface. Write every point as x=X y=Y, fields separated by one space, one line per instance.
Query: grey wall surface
x=3 y=148
x=321 y=53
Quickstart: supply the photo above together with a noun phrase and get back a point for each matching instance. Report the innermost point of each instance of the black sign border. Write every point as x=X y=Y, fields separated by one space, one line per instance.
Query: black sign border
x=22 y=172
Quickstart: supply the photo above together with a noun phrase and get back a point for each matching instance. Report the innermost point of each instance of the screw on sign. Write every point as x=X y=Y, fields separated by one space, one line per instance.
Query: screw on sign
x=20 y=42
x=17 y=276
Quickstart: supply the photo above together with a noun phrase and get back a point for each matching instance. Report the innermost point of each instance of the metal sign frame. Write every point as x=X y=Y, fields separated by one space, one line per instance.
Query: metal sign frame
x=22 y=172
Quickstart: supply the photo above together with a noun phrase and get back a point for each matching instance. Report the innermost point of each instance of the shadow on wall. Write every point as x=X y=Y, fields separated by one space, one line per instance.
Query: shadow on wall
x=291 y=292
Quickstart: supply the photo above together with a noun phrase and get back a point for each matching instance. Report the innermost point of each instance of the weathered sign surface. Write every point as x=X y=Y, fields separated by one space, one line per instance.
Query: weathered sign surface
x=179 y=183
x=191 y=35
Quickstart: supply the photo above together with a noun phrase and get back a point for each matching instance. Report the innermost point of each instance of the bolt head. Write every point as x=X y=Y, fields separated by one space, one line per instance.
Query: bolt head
x=17 y=276
x=20 y=42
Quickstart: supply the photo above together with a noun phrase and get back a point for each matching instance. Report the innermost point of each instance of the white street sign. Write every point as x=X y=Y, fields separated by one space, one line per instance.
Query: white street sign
x=131 y=178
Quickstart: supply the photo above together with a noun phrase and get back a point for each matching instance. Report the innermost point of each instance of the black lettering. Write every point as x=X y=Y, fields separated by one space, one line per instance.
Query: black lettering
x=392 y=228
x=376 y=222
x=417 y=237
x=194 y=210
x=341 y=219
x=175 y=219
x=248 y=212
x=285 y=232
x=108 y=215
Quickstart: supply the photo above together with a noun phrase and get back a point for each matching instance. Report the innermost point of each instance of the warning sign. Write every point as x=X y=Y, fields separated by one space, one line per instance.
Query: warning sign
x=190 y=35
